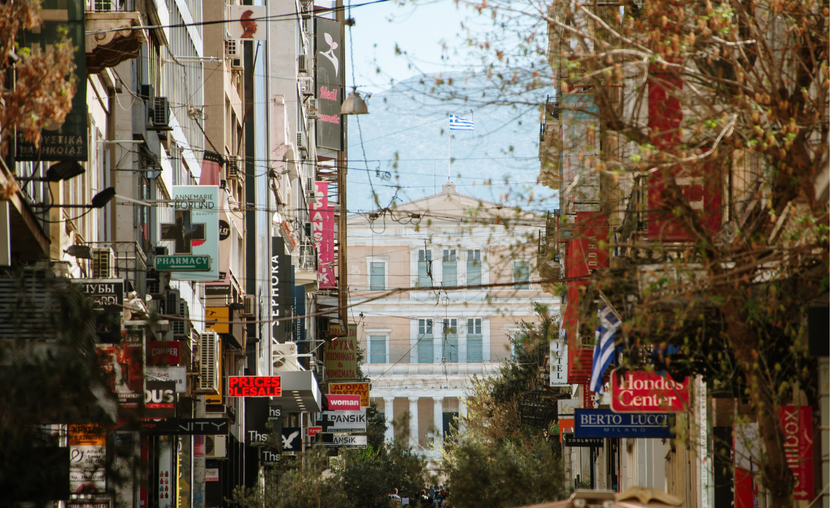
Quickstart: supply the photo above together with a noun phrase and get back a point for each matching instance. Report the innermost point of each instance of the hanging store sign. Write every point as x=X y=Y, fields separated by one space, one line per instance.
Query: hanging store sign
x=254 y=386
x=246 y=22
x=329 y=83
x=797 y=422
x=322 y=234
x=568 y=439
x=194 y=233
x=606 y=423
x=341 y=355
x=638 y=391
x=344 y=402
x=180 y=427
x=348 y=441
x=361 y=389
x=108 y=295
x=87 y=458
x=176 y=374
x=346 y=421
x=163 y=352
x=281 y=294
x=559 y=363
x=159 y=399
x=123 y=370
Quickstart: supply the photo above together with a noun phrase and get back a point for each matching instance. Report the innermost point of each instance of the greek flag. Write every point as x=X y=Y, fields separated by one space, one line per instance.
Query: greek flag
x=609 y=323
x=461 y=124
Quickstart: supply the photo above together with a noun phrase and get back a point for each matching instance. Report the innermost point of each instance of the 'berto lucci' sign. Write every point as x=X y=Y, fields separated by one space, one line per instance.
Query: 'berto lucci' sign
x=638 y=391
x=606 y=423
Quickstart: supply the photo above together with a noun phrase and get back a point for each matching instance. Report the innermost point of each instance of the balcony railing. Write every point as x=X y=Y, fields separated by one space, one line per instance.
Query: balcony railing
x=110 y=6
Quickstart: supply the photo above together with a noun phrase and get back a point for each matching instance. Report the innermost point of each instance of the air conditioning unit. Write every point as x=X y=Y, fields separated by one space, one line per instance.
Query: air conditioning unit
x=311 y=108
x=236 y=64
x=284 y=357
x=301 y=64
x=249 y=306
x=182 y=327
x=232 y=49
x=216 y=447
x=103 y=263
x=234 y=167
x=161 y=113
x=307 y=86
x=311 y=192
x=208 y=363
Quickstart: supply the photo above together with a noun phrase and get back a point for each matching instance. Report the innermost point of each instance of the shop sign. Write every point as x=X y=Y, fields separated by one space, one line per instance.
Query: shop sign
x=328 y=83
x=194 y=232
x=181 y=263
x=180 y=427
x=349 y=441
x=217 y=319
x=346 y=421
x=566 y=408
x=212 y=474
x=559 y=363
x=344 y=402
x=341 y=355
x=108 y=295
x=361 y=389
x=313 y=431
x=163 y=352
x=639 y=391
x=322 y=234
x=159 y=399
x=568 y=439
x=254 y=386
x=281 y=294
x=606 y=423
x=256 y=421
x=176 y=374
x=123 y=370
x=292 y=439
x=797 y=422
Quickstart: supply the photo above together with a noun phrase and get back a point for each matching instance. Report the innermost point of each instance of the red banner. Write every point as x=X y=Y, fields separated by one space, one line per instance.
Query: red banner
x=163 y=353
x=254 y=386
x=322 y=234
x=648 y=392
x=797 y=423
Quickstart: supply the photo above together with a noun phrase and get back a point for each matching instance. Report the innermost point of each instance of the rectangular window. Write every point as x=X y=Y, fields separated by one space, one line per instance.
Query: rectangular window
x=377 y=275
x=449 y=268
x=424 y=268
x=521 y=274
x=473 y=267
x=425 y=341
x=450 y=340
x=377 y=349
x=474 y=341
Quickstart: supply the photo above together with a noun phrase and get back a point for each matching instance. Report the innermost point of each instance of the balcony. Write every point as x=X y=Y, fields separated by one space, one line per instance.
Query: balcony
x=115 y=33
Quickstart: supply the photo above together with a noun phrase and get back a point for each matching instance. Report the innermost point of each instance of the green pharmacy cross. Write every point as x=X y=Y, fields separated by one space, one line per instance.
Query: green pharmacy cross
x=183 y=232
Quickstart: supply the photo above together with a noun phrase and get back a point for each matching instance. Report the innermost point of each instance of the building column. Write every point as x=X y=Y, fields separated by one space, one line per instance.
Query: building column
x=462 y=413
x=413 y=421
x=438 y=421
x=389 y=413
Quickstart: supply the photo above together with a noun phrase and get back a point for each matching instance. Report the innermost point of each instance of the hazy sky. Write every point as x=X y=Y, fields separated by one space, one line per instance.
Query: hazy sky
x=419 y=29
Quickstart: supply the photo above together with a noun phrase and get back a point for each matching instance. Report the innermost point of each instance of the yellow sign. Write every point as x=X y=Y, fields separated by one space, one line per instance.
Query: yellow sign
x=361 y=389
x=213 y=314
x=217 y=399
x=87 y=435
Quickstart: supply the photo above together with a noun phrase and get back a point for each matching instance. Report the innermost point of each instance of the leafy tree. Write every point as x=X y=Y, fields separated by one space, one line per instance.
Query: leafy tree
x=312 y=484
x=42 y=88
x=369 y=475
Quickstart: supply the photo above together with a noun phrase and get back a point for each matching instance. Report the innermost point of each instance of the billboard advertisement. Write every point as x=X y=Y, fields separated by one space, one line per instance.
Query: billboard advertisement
x=329 y=83
x=123 y=367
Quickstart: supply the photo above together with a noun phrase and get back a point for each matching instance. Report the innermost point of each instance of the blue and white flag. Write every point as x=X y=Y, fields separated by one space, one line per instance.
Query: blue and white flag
x=609 y=323
x=461 y=124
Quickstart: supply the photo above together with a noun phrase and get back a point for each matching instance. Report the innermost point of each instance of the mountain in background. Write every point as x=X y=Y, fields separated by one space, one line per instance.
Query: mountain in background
x=404 y=138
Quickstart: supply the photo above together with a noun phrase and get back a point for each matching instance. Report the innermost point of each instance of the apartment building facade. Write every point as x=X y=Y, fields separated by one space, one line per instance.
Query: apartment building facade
x=440 y=302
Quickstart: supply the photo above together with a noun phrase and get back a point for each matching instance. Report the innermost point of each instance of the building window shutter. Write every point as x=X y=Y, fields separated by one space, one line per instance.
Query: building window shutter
x=377 y=275
x=425 y=341
x=450 y=268
x=450 y=346
x=424 y=268
x=521 y=274
x=377 y=349
x=473 y=267
x=474 y=341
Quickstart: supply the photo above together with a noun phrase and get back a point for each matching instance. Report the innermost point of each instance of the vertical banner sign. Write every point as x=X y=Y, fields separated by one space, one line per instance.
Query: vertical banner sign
x=341 y=357
x=87 y=458
x=580 y=146
x=559 y=363
x=281 y=295
x=108 y=295
x=329 y=83
x=797 y=422
x=67 y=140
x=256 y=421
x=195 y=229
x=322 y=233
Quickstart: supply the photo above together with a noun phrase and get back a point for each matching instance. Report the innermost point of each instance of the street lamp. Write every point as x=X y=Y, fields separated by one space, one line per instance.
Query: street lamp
x=63 y=170
x=354 y=105
x=98 y=201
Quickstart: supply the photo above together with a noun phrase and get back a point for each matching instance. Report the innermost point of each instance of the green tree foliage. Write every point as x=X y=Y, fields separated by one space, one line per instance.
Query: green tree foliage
x=312 y=485
x=370 y=474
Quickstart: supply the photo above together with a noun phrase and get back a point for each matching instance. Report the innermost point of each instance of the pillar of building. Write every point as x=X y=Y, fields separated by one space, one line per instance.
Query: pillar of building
x=389 y=413
x=413 y=421
x=462 y=413
x=438 y=421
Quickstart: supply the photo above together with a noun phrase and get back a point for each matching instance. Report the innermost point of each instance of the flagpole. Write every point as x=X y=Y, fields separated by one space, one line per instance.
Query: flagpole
x=449 y=157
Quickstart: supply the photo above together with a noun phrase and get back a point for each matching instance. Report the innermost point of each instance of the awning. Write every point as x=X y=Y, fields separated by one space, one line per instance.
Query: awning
x=300 y=393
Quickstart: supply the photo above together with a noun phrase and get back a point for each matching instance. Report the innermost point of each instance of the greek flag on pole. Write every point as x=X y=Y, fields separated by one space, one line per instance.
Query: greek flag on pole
x=461 y=124
x=609 y=323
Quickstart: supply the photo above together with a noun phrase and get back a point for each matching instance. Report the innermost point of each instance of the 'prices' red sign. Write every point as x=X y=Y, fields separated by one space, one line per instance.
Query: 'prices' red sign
x=254 y=386
x=640 y=391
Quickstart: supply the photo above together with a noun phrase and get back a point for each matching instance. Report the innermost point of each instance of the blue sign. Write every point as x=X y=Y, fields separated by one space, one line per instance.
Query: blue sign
x=606 y=423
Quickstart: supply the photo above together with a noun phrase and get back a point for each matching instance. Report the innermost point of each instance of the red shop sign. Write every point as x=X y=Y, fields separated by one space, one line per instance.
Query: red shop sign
x=797 y=422
x=313 y=431
x=640 y=391
x=254 y=386
x=163 y=353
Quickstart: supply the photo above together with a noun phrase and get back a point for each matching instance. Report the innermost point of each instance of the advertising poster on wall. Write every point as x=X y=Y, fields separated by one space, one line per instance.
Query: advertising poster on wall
x=123 y=367
x=87 y=458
